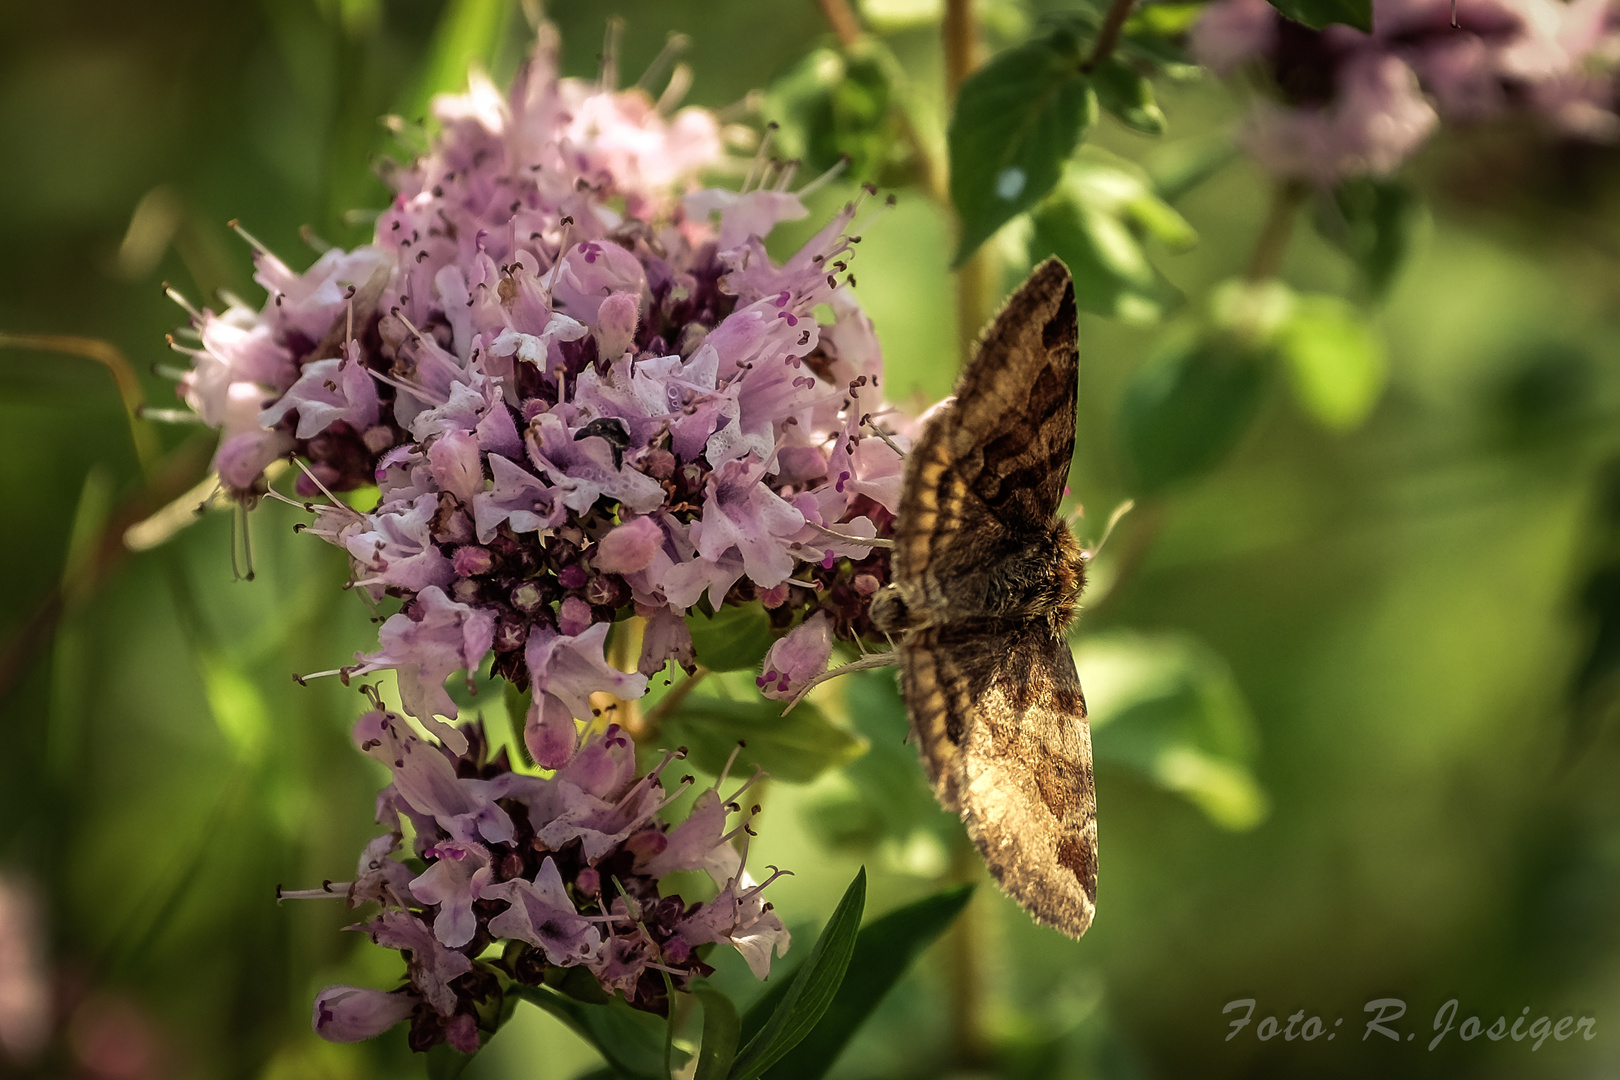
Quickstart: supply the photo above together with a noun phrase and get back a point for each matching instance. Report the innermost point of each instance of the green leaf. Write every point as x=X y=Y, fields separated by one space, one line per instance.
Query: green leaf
x=444 y=1062
x=806 y=999
x=1127 y=95
x=517 y=716
x=1334 y=360
x=632 y=1041
x=721 y=1028
x=883 y=794
x=1188 y=406
x=468 y=34
x=1373 y=222
x=1095 y=222
x=796 y=748
x=735 y=638
x=884 y=949
x=1168 y=707
x=1178 y=167
x=1319 y=13
x=1017 y=119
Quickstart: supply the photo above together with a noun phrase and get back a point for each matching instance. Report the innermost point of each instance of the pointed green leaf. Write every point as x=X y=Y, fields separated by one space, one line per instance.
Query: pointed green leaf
x=630 y=1040
x=1017 y=119
x=1188 y=406
x=1334 y=360
x=884 y=949
x=796 y=748
x=467 y=35
x=517 y=716
x=1128 y=96
x=806 y=999
x=720 y=1032
x=1373 y=222
x=733 y=639
x=1167 y=706
x=1319 y=13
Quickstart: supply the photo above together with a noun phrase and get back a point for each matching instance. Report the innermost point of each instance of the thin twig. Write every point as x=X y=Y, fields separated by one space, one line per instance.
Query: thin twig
x=1108 y=36
x=112 y=358
x=845 y=26
x=654 y=718
x=1272 y=244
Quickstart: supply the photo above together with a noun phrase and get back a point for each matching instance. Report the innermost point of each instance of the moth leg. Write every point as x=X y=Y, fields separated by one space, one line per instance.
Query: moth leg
x=865 y=663
x=1091 y=551
x=884 y=435
x=850 y=538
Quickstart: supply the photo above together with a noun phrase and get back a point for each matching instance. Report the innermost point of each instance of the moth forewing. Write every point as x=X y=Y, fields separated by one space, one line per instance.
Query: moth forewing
x=984 y=583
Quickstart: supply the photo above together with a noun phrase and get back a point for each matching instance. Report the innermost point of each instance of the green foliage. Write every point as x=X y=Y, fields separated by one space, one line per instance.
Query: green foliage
x=776 y=1026
x=884 y=949
x=1169 y=708
x=1128 y=96
x=1319 y=13
x=1188 y=406
x=837 y=103
x=796 y=748
x=1373 y=222
x=468 y=35
x=1096 y=222
x=882 y=795
x=445 y=1063
x=1334 y=360
x=735 y=638
x=721 y=1028
x=1017 y=119
x=633 y=1042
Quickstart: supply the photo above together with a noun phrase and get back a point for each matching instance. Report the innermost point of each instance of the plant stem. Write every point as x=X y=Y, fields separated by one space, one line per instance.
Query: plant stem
x=973 y=279
x=654 y=718
x=110 y=357
x=1272 y=244
x=845 y=26
x=963 y=944
x=1108 y=36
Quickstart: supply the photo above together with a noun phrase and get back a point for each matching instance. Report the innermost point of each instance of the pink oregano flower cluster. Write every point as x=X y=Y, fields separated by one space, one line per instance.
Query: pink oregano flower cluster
x=564 y=868
x=586 y=394
x=1342 y=103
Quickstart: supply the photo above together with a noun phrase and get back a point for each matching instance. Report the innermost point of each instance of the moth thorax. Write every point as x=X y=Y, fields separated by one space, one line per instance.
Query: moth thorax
x=1068 y=574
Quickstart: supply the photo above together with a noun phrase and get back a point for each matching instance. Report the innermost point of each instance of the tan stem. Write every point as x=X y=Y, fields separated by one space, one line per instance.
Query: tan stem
x=654 y=717
x=1108 y=36
x=845 y=26
x=112 y=358
x=1272 y=244
x=964 y=947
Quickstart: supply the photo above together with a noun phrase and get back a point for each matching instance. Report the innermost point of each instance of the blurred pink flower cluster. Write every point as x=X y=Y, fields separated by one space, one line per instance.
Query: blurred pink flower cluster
x=564 y=868
x=1342 y=103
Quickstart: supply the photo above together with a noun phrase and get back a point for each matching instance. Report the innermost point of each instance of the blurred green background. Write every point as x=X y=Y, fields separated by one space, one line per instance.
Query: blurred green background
x=1353 y=693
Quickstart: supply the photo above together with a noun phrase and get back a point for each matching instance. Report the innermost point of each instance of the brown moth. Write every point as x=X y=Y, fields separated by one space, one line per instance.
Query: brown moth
x=985 y=582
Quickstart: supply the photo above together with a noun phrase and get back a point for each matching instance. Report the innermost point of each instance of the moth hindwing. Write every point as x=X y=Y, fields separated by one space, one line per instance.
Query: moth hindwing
x=985 y=583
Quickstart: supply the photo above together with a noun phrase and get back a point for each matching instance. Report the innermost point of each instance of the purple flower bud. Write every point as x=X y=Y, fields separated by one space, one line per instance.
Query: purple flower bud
x=573 y=616
x=629 y=547
x=797 y=657
x=350 y=1013
x=470 y=561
